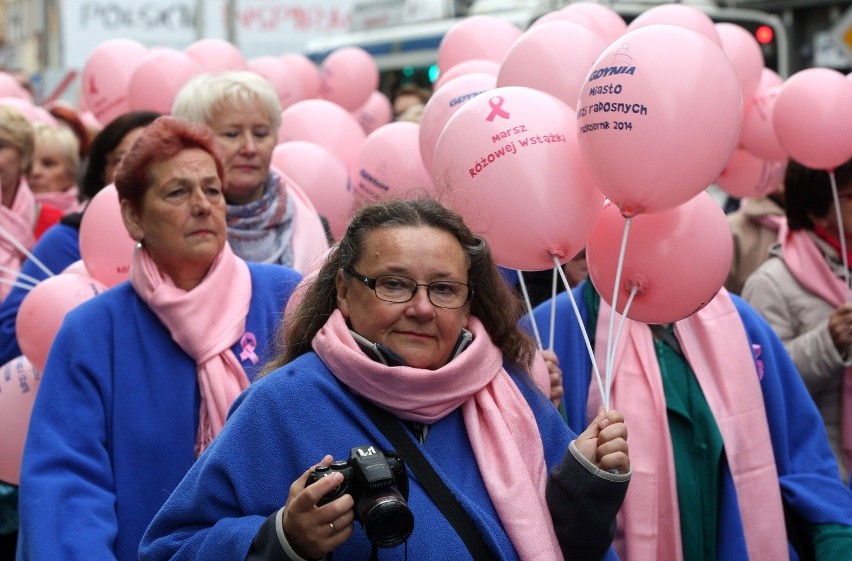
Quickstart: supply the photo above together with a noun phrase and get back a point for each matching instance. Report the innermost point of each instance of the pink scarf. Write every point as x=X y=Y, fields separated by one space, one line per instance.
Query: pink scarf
x=205 y=322
x=67 y=201
x=716 y=346
x=17 y=222
x=492 y=407
x=809 y=267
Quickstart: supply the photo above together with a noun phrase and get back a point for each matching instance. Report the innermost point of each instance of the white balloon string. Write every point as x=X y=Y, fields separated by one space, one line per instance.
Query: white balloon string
x=529 y=309
x=15 y=273
x=841 y=233
x=583 y=331
x=25 y=251
x=611 y=367
x=610 y=349
x=553 y=306
x=5 y=280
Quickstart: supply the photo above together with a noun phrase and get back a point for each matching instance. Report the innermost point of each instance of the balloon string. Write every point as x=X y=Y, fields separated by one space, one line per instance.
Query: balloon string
x=610 y=350
x=591 y=352
x=20 y=276
x=529 y=308
x=841 y=234
x=23 y=250
x=4 y=280
x=553 y=306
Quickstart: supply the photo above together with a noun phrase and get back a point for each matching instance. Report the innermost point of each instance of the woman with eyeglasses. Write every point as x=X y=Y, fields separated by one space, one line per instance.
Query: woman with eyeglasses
x=407 y=319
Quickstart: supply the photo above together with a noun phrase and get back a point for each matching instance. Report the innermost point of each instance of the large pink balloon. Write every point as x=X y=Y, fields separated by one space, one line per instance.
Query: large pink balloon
x=745 y=54
x=472 y=66
x=747 y=175
x=33 y=113
x=389 y=164
x=43 y=309
x=287 y=84
x=476 y=37
x=216 y=55
x=157 y=80
x=657 y=123
x=347 y=77
x=307 y=71
x=812 y=118
x=678 y=259
x=10 y=87
x=19 y=381
x=377 y=111
x=681 y=15
x=323 y=178
x=443 y=104
x=554 y=57
x=509 y=163
x=105 y=246
x=106 y=77
x=758 y=132
x=324 y=123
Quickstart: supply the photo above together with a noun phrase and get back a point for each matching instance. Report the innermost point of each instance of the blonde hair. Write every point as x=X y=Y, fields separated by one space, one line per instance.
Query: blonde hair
x=199 y=98
x=17 y=131
x=63 y=137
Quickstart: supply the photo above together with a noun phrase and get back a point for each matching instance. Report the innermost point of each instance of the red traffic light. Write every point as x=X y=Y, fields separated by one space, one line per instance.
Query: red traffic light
x=764 y=34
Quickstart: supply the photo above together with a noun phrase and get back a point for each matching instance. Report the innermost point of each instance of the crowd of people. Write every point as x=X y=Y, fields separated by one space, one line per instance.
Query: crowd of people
x=259 y=390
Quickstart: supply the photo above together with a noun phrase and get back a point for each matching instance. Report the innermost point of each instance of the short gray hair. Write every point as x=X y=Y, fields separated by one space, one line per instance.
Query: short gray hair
x=200 y=96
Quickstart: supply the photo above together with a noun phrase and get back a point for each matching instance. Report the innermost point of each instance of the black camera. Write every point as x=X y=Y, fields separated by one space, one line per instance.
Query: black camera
x=379 y=484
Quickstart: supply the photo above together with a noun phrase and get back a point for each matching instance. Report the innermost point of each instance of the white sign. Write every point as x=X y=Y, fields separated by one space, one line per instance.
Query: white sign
x=842 y=32
x=372 y=14
x=261 y=27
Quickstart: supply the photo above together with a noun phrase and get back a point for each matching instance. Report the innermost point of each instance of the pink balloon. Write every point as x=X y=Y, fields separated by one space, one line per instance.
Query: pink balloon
x=389 y=164
x=347 y=77
x=657 y=124
x=43 y=309
x=324 y=123
x=602 y=19
x=10 y=87
x=747 y=175
x=509 y=163
x=76 y=268
x=323 y=178
x=287 y=84
x=678 y=259
x=812 y=118
x=105 y=246
x=443 y=104
x=106 y=77
x=758 y=133
x=745 y=54
x=681 y=15
x=156 y=81
x=19 y=381
x=554 y=57
x=377 y=111
x=476 y=37
x=473 y=66
x=33 y=113
x=216 y=55
x=307 y=71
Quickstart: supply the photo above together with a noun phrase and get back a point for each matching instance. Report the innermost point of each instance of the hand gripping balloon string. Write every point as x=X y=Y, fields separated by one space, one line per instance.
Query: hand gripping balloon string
x=841 y=230
x=529 y=308
x=610 y=347
x=31 y=281
x=577 y=315
x=496 y=104
x=4 y=233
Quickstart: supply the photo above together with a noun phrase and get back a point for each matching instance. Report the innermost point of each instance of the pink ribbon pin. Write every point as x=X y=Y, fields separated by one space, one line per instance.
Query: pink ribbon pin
x=248 y=342
x=758 y=362
x=496 y=104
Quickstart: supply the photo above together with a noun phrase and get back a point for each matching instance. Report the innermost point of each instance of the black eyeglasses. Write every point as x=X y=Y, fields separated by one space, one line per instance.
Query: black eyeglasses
x=397 y=289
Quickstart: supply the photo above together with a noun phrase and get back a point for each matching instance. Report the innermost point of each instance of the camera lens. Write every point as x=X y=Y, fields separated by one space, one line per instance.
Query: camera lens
x=386 y=519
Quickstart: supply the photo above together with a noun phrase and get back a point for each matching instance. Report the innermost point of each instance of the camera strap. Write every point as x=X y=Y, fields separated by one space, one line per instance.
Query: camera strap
x=430 y=481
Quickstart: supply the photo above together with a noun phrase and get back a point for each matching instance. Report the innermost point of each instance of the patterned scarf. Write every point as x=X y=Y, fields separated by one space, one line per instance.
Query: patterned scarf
x=500 y=424
x=261 y=231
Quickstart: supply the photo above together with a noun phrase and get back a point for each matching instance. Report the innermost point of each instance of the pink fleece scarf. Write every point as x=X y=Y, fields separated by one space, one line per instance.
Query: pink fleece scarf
x=810 y=268
x=67 y=201
x=716 y=346
x=17 y=222
x=492 y=407
x=205 y=322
